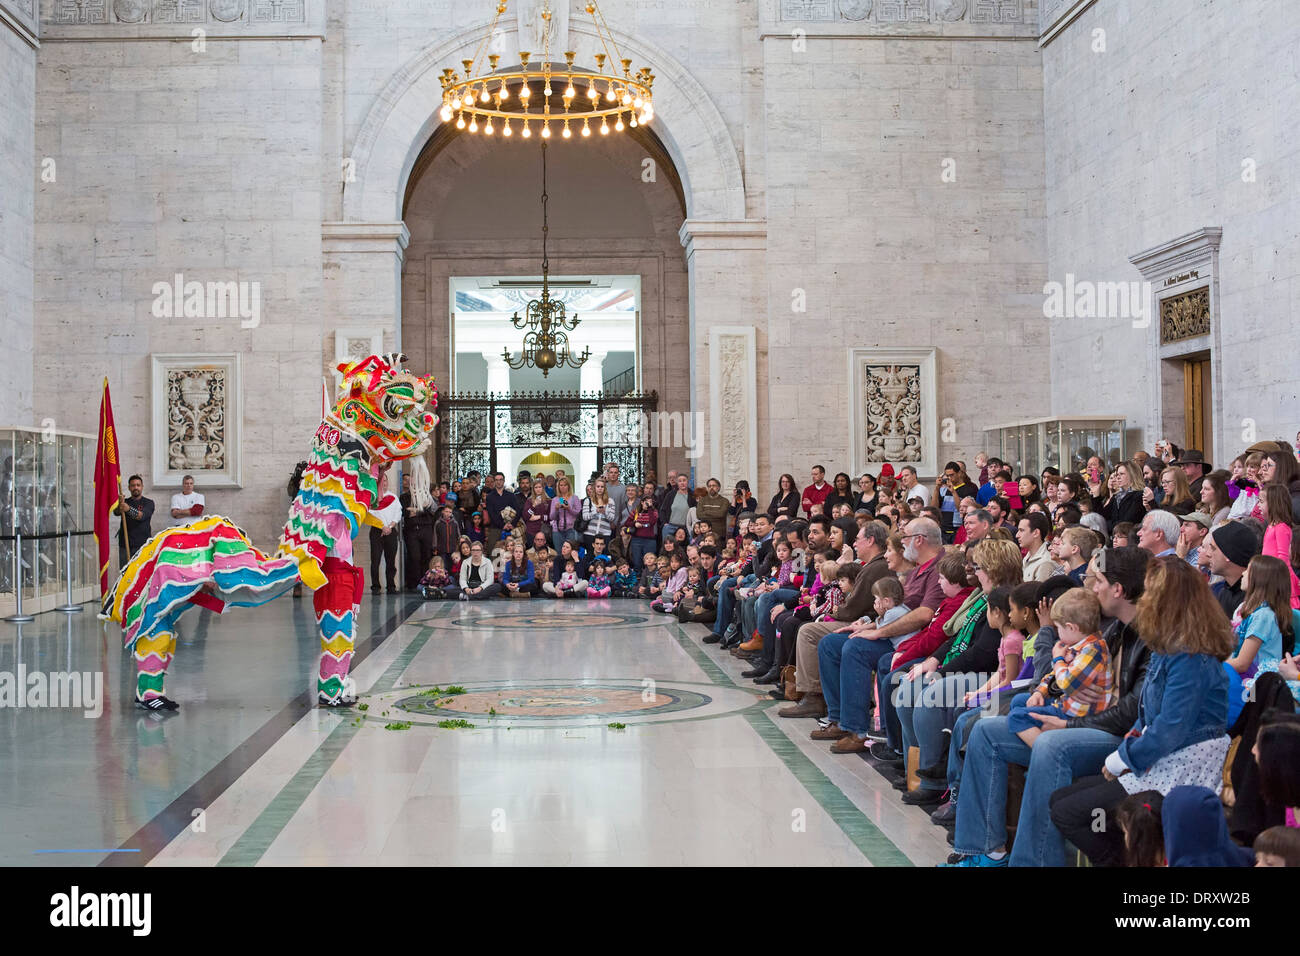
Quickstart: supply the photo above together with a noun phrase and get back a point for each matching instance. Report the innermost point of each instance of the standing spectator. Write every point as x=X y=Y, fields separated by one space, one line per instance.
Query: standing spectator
x=1194 y=467
x=137 y=515
x=187 y=504
x=785 y=503
x=617 y=491
x=816 y=493
x=742 y=502
x=503 y=510
x=417 y=533
x=446 y=534
x=841 y=494
x=537 y=513
x=867 y=497
x=713 y=508
x=1124 y=493
x=674 y=510
x=565 y=508
x=599 y=514
x=383 y=543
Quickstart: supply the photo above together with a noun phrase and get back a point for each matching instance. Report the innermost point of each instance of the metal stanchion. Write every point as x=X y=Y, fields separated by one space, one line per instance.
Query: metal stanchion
x=18 y=617
x=70 y=607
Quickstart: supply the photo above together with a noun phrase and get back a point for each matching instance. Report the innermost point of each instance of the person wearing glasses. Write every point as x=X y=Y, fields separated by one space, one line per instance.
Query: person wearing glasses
x=1068 y=747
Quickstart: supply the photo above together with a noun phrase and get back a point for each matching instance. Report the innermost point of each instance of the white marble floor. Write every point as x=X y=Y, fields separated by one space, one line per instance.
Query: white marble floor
x=702 y=772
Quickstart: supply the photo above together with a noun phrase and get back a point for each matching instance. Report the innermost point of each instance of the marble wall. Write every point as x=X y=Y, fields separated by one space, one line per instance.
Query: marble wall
x=19 y=173
x=198 y=159
x=1163 y=117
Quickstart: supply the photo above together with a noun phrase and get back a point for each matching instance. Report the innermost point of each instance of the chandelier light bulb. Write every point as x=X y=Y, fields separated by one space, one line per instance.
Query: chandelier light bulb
x=473 y=124
x=638 y=102
x=483 y=95
x=525 y=93
x=489 y=130
x=527 y=132
x=546 y=131
x=455 y=102
x=627 y=98
x=631 y=121
x=592 y=92
x=618 y=126
x=445 y=113
x=566 y=134
x=586 y=130
x=460 y=122
x=570 y=93
x=604 y=127
x=548 y=89
x=609 y=93
x=506 y=130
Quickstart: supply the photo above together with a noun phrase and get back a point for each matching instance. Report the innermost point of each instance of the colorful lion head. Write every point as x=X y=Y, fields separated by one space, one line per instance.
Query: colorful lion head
x=387 y=407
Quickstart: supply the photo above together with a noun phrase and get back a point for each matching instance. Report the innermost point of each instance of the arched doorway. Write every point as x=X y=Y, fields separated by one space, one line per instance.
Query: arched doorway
x=725 y=300
x=615 y=209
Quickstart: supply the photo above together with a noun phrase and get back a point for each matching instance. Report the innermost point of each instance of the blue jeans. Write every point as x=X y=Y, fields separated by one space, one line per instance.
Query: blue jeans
x=637 y=551
x=928 y=715
x=960 y=734
x=848 y=667
x=887 y=680
x=1057 y=758
x=727 y=602
x=764 y=611
x=559 y=537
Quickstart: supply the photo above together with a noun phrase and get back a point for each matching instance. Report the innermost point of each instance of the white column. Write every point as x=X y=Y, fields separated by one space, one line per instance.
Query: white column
x=498 y=383
x=591 y=377
x=725 y=260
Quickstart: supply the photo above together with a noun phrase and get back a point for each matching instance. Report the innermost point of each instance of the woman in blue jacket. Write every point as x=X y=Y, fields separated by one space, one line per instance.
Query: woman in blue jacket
x=1180 y=736
x=517 y=578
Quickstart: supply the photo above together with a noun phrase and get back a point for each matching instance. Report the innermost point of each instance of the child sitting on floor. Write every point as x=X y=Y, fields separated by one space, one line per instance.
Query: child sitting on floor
x=435 y=581
x=568 y=580
x=598 y=586
x=624 y=581
x=660 y=578
x=676 y=581
x=1081 y=659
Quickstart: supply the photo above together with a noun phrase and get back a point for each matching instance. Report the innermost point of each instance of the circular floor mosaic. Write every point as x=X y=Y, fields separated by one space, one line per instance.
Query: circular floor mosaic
x=555 y=622
x=606 y=701
x=558 y=703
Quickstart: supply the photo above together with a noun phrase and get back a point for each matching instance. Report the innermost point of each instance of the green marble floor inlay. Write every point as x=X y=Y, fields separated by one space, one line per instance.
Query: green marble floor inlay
x=873 y=844
x=866 y=836
x=253 y=843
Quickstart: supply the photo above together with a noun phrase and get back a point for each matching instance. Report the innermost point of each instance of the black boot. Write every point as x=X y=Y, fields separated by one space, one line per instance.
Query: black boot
x=771 y=677
x=758 y=670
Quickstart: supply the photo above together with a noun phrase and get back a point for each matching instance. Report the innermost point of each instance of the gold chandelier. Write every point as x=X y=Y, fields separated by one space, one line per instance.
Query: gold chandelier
x=546 y=346
x=546 y=92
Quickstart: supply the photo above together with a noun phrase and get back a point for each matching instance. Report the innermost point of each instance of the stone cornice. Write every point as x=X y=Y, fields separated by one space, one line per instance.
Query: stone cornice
x=900 y=19
x=171 y=19
x=723 y=234
x=385 y=237
x=1193 y=249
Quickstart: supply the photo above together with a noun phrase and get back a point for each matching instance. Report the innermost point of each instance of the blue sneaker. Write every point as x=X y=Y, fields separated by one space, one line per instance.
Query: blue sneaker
x=979 y=859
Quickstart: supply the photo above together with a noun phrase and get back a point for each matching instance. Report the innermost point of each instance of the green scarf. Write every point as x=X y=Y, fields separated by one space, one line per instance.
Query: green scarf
x=974 y=618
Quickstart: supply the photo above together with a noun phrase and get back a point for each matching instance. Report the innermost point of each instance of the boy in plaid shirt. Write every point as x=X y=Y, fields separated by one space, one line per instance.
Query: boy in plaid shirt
x=1080 y=660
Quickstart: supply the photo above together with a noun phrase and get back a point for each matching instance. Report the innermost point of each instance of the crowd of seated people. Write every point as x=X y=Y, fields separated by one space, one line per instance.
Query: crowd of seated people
x=1116 y=638
x=1120 y=638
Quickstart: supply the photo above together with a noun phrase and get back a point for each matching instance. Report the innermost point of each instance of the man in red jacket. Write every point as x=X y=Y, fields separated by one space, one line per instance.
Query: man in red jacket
x=815 y=494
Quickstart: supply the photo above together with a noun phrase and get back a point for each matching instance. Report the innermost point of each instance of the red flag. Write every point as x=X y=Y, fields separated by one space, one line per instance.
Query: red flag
x=108 y=484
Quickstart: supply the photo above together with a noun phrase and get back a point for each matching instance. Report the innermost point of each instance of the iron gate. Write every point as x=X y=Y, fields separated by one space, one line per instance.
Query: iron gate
x=475 y=425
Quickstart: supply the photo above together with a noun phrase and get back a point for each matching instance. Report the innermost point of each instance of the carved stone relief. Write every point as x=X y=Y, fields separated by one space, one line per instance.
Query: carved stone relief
x=904 y=11
x=1185 y=316
x=180 y=12
x=892 y=396
x=196 y=419
x=733 y=362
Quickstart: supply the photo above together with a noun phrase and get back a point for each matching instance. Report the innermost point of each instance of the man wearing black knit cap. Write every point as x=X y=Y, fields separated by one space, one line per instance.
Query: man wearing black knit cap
x=1231 y=546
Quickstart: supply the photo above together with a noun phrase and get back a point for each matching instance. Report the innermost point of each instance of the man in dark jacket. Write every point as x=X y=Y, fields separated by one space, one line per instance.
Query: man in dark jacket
x=417 y=534
x=1069 y=748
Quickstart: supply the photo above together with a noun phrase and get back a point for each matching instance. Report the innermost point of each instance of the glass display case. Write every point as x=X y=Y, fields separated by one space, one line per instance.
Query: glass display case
x=46 y=487
x=1065 y=443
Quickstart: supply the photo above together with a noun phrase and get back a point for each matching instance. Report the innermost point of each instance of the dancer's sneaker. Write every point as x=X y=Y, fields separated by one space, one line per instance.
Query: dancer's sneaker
x=158 y=704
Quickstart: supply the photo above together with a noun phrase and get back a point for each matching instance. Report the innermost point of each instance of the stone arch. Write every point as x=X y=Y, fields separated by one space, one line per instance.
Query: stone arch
x=404 y=116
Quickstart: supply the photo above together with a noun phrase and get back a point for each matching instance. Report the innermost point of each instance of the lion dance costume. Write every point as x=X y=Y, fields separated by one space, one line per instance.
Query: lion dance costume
x=383 y=414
